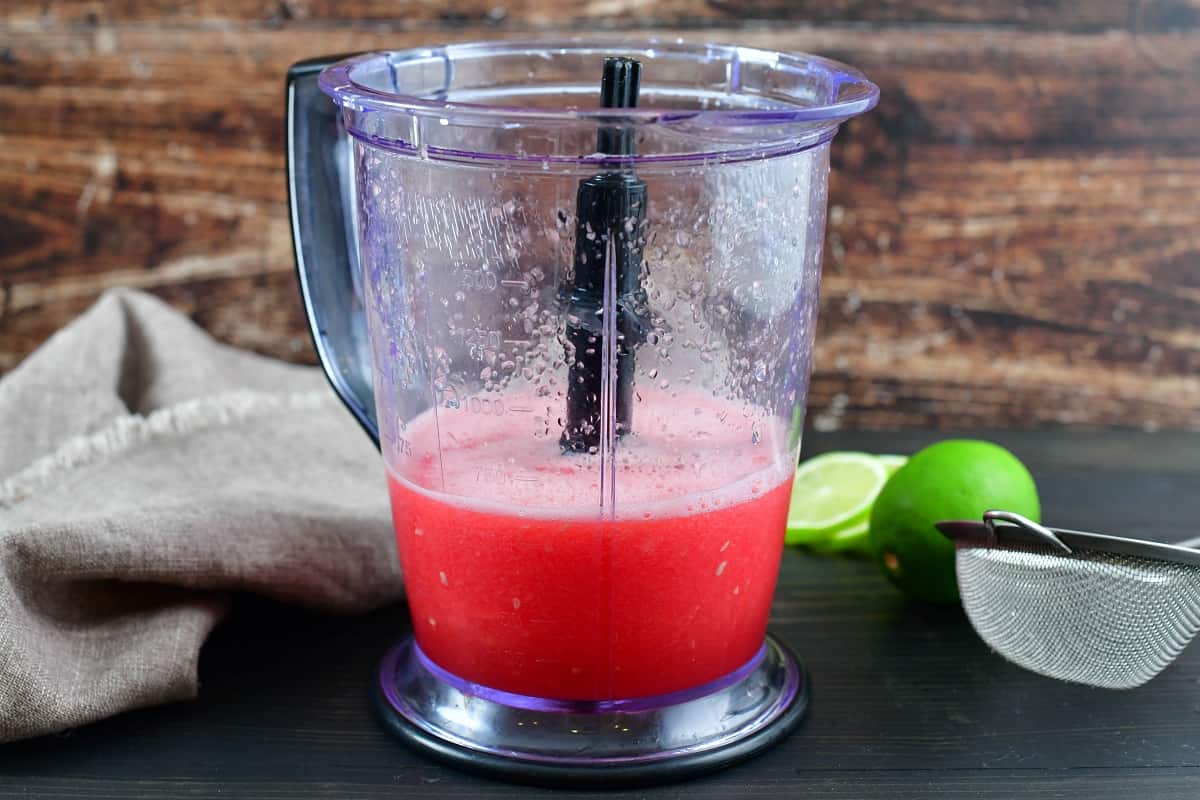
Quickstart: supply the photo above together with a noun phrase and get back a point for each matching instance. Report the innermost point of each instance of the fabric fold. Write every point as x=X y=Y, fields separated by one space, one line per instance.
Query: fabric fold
x=146 y=472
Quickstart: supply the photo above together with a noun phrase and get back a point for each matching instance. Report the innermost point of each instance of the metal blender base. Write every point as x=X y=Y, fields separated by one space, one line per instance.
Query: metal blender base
x=589 y=744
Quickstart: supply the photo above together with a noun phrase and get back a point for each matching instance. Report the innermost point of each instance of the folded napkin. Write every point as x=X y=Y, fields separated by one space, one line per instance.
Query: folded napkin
x=146 y=472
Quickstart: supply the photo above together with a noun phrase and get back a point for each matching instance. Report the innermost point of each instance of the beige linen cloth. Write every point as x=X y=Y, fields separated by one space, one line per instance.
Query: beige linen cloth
x=146 y=472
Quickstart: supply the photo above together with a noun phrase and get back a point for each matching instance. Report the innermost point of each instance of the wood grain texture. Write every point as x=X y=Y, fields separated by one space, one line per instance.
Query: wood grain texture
x=1014 y=235
x=1140 y=15
x=908 y=703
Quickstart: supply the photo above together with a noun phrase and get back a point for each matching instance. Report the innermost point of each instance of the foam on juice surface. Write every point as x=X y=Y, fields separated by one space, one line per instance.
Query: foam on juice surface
x=687 y=453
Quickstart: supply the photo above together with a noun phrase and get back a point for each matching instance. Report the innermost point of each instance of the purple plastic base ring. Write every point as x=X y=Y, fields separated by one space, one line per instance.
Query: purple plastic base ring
x=392 y=661
x=637 y=741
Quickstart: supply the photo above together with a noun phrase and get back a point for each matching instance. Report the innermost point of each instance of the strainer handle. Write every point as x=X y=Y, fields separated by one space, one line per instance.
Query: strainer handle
x=1047 y=535
x=1040 y=532
x=1016 y=530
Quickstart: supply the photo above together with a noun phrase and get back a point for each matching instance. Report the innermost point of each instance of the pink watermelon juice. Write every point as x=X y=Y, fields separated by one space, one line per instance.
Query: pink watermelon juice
x=519 y=580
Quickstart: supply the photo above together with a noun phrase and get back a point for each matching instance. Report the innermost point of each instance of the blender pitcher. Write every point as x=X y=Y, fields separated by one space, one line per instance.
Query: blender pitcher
x=569 y=288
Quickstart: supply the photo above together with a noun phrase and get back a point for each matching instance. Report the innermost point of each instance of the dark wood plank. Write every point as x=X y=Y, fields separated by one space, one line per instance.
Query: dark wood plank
x=1013 y=236
x=908 y=704
x=1056 y=14
x=914 y=784
x=1044 y=94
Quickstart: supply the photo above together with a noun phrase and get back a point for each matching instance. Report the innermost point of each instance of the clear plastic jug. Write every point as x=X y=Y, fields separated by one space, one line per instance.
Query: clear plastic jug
x=570 y=289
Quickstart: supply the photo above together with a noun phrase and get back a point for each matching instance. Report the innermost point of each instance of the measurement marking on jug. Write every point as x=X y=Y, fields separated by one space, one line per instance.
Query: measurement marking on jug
x=520 y=409
x=489 y=474
x=496 y=475
x=517 y=342
x=479 y=279
x=515 y=284
x=480 y=340
x=474 y=405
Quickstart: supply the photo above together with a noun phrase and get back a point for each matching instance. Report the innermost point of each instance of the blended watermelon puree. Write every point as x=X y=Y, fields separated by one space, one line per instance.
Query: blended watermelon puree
x=518 y=579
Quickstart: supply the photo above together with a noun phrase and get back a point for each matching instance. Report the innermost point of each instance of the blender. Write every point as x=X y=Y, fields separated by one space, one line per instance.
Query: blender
x=569 y=288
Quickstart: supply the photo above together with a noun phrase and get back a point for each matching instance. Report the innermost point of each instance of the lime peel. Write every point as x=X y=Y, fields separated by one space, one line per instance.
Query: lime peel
x=952 y=479
x=853 y=538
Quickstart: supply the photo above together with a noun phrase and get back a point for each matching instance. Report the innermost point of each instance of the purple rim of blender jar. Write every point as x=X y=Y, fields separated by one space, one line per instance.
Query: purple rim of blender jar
x=730 y=156
x=851 y=94
x=391 y=665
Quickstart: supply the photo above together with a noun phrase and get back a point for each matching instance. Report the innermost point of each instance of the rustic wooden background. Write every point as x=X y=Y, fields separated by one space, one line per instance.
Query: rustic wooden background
x=1014 y=234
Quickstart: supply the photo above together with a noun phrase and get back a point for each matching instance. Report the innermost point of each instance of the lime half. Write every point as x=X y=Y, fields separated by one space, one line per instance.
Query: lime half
x=831 y=491
x=892 y=463
x=854 y=538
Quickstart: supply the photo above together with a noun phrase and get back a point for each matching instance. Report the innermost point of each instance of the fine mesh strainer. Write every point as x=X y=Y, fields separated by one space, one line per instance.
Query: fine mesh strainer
x=1107 y=611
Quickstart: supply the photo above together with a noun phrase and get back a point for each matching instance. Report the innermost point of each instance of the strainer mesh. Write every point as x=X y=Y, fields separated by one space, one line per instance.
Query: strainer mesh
x=1092 y=617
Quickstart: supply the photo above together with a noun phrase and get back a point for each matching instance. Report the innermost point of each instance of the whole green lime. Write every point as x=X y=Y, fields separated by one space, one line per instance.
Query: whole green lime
x=954 y=479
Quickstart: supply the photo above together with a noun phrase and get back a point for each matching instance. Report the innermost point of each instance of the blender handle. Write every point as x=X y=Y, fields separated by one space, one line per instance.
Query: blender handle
x=321 y=208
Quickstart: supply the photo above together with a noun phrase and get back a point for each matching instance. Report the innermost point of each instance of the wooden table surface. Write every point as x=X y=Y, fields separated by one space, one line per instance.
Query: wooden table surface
x=1016 y=223
x=908 y=702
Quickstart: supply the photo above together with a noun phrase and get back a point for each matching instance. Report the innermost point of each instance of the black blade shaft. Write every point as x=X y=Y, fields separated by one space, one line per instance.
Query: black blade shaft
x=610 y=216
